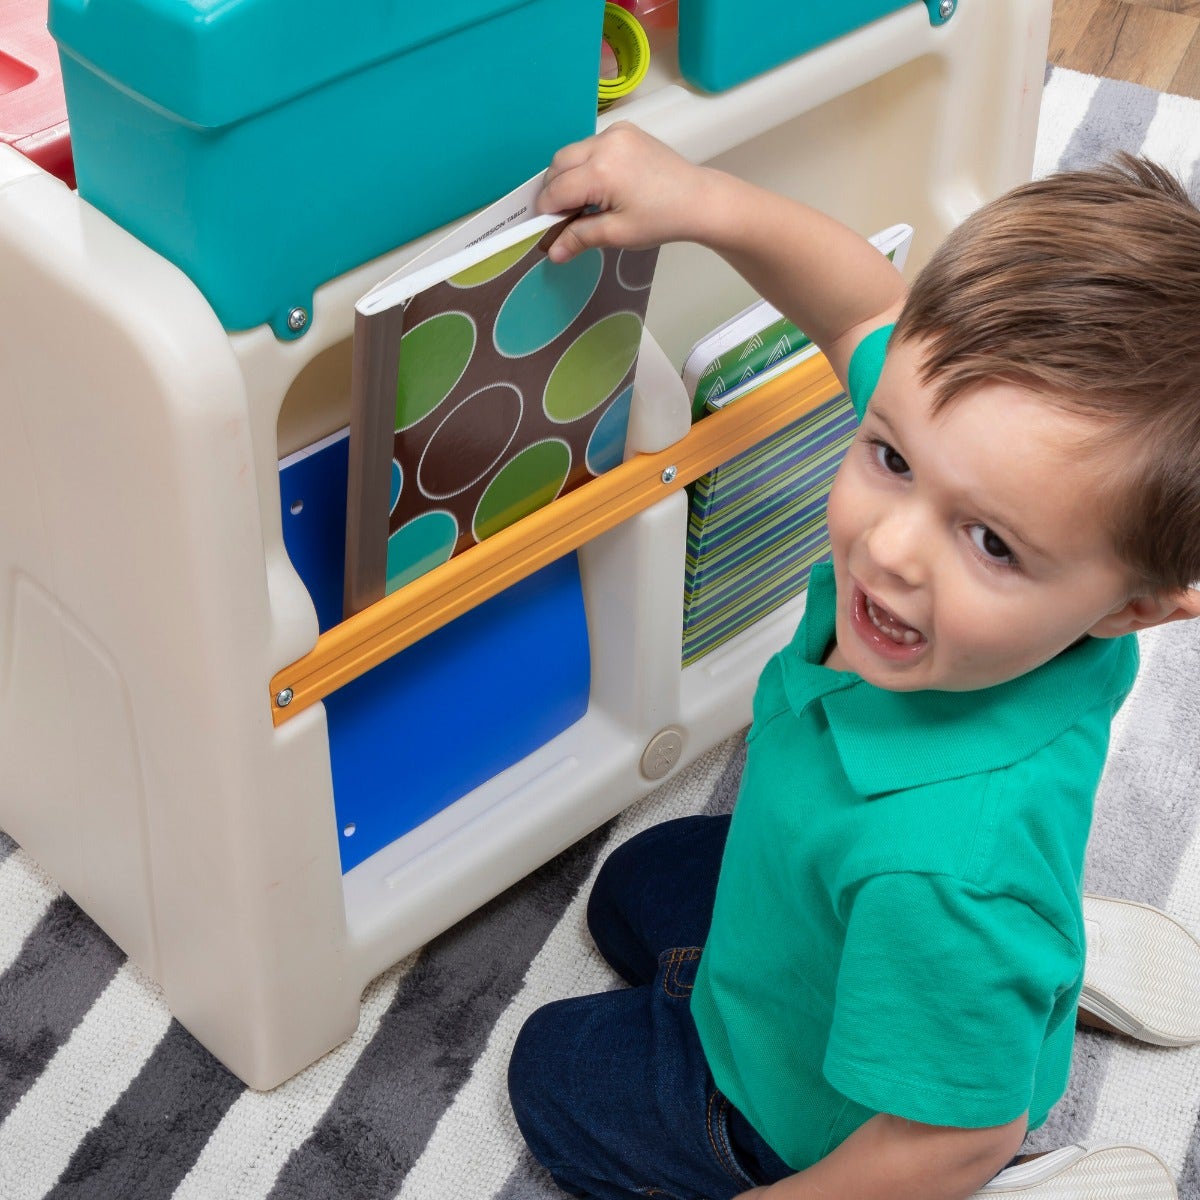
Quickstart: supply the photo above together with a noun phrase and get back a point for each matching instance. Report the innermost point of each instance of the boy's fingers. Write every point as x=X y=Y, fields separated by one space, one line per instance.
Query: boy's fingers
x=555 y=196
x=577 y=236
x=567 y=180
x=574 y=189
x=572 y=154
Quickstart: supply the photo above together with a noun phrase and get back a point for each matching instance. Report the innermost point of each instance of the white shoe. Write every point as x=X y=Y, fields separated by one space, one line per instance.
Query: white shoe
x=1142 y=973
x=1086 y=1172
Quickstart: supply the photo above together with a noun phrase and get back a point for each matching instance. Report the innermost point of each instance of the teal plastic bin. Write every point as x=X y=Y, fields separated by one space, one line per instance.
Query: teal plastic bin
x=725 y=42
x=267 y=146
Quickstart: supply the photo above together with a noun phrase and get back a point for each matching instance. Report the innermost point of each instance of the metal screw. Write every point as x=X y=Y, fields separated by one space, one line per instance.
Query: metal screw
x=946 y=9
x=669 y=474
x=284 y=698
x=298 y=318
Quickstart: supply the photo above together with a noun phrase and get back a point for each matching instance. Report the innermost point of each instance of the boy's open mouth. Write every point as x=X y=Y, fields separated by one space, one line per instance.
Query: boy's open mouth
x=890 y=625
x=883 y=631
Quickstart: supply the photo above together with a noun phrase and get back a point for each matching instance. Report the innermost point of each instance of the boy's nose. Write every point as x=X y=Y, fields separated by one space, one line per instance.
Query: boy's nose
x=899 y=544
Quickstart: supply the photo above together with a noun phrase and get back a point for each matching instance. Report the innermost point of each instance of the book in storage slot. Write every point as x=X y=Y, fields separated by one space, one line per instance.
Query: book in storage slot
x=756 y=526
x=760 y=339
x=486 y=381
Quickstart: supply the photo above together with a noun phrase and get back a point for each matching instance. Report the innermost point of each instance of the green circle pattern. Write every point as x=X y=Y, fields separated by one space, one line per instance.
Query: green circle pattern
x=497 y=264
x=433 y=356
x=524 y=484
x=592 y=367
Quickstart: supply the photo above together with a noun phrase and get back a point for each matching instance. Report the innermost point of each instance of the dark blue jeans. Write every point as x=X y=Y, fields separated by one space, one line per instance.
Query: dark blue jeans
x=612 y=1092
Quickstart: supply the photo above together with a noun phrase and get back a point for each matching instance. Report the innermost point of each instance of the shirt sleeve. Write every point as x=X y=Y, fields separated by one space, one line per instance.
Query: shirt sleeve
x=945 y=997
x=866 y=365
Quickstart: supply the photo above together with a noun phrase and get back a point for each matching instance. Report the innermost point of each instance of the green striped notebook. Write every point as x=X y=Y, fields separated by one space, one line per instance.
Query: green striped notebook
x=756 y=526
x=736 y=366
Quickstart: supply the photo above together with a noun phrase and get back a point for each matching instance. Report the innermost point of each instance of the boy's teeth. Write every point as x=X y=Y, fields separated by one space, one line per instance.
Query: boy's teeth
x=886 y=624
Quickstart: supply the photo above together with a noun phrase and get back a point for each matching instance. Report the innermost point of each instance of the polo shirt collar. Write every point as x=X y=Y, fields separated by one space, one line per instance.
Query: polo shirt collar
x=888 y=741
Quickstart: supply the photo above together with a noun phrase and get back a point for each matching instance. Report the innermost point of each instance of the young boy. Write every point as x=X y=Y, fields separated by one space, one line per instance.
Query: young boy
x=894 y=947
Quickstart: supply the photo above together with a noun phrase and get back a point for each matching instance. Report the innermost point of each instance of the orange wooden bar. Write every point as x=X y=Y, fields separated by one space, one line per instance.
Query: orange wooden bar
x=407 y=615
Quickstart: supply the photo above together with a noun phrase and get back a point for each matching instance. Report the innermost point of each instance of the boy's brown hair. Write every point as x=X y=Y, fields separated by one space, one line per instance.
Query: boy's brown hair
x=1085 y=287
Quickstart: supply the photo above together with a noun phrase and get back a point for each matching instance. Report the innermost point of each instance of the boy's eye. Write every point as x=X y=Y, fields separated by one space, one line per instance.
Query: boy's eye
x=890 y=459
x=992 y=546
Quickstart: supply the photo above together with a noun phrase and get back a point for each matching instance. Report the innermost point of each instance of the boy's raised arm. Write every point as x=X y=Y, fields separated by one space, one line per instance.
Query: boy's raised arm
x=636 y=192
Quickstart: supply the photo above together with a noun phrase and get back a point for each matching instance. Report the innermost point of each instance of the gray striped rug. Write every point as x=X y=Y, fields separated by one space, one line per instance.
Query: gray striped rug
x=103 y=1096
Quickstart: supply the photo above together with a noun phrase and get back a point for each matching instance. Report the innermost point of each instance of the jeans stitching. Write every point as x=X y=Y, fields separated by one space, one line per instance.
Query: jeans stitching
x=674 y=959
x=723 y=1150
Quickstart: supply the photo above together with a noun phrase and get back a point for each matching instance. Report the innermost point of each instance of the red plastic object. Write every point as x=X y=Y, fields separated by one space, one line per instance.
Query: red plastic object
x=33 y=109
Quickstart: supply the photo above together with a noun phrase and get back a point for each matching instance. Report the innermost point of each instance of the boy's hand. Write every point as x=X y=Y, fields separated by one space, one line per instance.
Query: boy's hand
x=634 y=192
x=631 y=190
x=889 y=1158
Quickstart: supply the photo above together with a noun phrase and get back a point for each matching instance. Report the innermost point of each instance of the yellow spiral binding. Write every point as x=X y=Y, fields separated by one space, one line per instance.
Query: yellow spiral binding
x=626 y=38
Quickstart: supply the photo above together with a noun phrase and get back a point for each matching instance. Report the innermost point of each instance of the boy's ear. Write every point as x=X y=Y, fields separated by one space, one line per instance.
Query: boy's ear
x=1144 y=612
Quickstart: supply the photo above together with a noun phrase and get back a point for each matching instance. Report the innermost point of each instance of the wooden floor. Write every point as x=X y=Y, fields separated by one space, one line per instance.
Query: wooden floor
x=1152 y=42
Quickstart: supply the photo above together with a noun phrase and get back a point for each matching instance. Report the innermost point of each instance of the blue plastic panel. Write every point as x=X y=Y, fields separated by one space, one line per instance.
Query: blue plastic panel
x=424 y=728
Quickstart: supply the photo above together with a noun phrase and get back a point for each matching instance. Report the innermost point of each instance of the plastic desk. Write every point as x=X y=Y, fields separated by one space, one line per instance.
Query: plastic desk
x=147 y=601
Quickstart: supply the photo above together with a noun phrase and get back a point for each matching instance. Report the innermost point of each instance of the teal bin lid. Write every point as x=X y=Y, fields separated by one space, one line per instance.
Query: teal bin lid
x=725 y=42
x=212 y=63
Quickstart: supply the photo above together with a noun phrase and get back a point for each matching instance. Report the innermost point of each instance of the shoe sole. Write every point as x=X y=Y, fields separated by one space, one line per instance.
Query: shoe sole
x=1142 y=973
x=1103 y=1173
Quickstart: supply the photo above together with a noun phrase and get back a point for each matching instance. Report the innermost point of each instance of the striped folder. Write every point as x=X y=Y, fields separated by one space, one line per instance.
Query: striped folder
x=756 y=526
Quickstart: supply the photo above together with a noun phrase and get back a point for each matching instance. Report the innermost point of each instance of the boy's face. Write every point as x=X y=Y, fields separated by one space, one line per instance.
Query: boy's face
x=967 y=546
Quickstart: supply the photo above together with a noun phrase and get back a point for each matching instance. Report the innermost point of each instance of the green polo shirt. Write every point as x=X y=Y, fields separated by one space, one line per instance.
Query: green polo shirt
x=897 y=925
